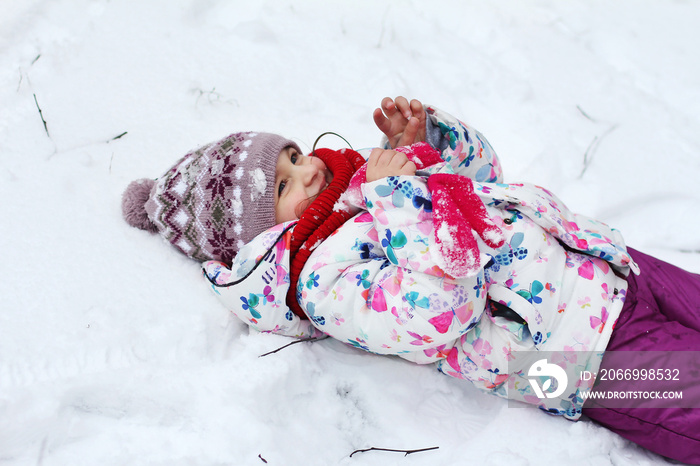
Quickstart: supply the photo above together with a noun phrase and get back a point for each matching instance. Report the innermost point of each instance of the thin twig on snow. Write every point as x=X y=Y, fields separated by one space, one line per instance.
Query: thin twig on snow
x=301 y=340
x=46 y=128
x=406 y=452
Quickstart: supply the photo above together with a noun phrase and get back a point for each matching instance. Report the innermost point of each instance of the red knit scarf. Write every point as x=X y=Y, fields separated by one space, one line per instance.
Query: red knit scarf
x=319 y=220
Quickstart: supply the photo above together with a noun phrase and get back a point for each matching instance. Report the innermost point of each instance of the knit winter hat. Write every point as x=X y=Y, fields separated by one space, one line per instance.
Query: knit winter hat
x=213 y=200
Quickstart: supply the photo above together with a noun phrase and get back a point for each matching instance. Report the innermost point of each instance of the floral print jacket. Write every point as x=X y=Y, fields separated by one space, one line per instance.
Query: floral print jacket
x=374 y=284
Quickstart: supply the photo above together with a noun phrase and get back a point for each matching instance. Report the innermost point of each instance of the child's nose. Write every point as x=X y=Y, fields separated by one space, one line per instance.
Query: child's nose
x=308 y=173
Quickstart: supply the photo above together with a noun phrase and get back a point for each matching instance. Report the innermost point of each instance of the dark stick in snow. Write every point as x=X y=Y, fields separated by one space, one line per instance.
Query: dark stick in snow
x=117 y=137
x=293 y=343
x=42 y=116
x=407 y=452
x=593 y=146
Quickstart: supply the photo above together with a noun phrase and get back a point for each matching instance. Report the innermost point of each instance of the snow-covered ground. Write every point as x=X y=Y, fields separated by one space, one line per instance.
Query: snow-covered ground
x=113 y=352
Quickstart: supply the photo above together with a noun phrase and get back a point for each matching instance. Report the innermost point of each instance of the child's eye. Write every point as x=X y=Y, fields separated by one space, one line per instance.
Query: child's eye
x=280 y=189
x=293 y=157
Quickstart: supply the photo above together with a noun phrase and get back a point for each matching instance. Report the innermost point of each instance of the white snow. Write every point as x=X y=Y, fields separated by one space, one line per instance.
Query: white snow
x=494 y=236
x=258 y=183
x=113 y=351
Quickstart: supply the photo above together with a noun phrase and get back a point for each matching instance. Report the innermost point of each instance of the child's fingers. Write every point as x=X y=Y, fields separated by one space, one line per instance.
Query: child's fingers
x=388 y=106
x=393 y=161
x=400 y=165
x=382 y=158
x=418 y=111
x=408 y=136
x=409 y=169
x=387 y=162
x=382 y=122
x=374 y=157
x=421 y=116
x=377 y=164
x=417 y=108
x=404 y=107
x=401 y=121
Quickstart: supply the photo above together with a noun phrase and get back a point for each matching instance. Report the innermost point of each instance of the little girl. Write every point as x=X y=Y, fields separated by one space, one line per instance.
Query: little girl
x=382 y=255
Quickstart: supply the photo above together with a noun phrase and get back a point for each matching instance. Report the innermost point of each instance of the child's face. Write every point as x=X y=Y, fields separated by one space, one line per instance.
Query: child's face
x=298 y=181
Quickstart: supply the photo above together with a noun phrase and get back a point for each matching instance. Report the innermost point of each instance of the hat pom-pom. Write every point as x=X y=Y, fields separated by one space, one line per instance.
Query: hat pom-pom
x=134 y=204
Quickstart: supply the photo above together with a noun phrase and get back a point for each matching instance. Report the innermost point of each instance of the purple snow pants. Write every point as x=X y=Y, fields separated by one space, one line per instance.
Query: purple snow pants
x=661 y=313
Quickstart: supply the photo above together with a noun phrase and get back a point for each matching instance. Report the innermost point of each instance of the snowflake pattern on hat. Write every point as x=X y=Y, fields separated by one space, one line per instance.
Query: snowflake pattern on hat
x=216 y=198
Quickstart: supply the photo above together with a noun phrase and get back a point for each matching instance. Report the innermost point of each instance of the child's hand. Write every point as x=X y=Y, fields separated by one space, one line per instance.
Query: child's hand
x=402 y=122
x=387 y=162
